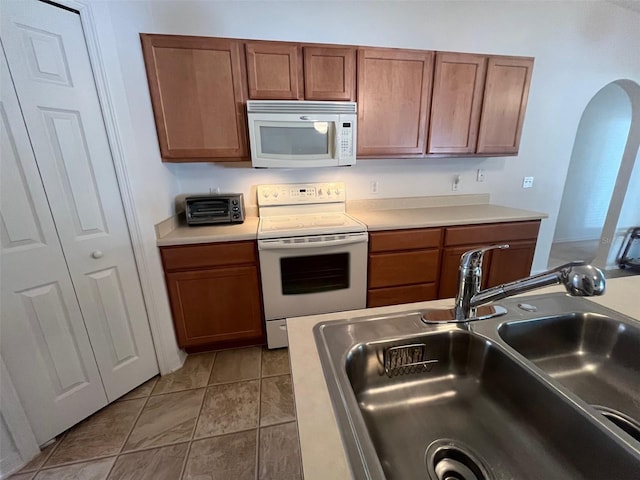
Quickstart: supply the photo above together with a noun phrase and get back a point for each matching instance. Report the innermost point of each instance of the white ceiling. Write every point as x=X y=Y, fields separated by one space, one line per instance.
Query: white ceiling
x=630 y=4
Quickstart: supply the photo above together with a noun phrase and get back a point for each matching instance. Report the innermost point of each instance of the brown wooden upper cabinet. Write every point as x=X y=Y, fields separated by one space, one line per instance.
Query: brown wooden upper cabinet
x=197 y=93
x=504 y=105
x=274 y=71
x=394 y=89
x=330 y=73
x=199 y=87
x=458 y=87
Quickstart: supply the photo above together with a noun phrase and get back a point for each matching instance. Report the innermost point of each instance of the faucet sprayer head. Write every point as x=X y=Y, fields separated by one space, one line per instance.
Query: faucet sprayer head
x=583 y=280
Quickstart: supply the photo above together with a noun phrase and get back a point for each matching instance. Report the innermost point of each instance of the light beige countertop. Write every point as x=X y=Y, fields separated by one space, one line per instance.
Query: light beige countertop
x=441 y=216
x=323 y=455
x=377 y=214
x=183 y=234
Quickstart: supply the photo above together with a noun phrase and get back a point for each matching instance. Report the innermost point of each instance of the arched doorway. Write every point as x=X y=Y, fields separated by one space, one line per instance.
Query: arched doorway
x=589 y=225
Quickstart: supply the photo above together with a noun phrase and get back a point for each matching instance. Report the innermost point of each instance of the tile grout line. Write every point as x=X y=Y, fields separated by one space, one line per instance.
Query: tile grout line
x=56 y=445
x=257 y=461
x=195 y=426
x=75 y=462
x=183 y=470
x=204 y=397
x=133 y=425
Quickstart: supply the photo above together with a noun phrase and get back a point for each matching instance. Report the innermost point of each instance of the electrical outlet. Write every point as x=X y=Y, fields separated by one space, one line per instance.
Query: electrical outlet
x=480 y=175
x=527 y=182
x=455 y=185
x=374 y=186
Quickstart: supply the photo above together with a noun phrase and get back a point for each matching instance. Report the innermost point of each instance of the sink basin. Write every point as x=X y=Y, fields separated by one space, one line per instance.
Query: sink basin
x=468 y=407
x=593 y=355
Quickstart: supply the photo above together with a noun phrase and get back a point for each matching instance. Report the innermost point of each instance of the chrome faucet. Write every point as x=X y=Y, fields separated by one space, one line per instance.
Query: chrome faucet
x=578 y=279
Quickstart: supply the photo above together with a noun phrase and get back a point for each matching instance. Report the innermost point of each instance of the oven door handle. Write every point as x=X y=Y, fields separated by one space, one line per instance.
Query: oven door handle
x=280 y=244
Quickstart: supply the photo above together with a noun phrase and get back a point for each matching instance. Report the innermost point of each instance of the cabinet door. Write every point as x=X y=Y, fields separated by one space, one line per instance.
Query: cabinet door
x=394 y=88
x=504 y=105
x=330 y=73
x=448 y=284
x=44 y=341
x=274 y=71
x=216 y=305
x=197 y=94
x=510 y=264
x=455 y=106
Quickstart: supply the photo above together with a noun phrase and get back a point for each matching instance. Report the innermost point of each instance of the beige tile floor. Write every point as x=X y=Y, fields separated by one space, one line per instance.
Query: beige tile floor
x=224 y=415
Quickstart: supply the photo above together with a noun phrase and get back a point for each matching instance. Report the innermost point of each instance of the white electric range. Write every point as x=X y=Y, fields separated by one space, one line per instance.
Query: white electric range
x=313 y=255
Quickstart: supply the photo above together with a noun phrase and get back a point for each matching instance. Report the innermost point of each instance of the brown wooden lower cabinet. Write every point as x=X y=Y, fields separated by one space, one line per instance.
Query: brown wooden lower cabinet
x=379 y=297
x=403 y=266
x=448 y=286
x=511 y=264
x=215 y=306
x=499 y=266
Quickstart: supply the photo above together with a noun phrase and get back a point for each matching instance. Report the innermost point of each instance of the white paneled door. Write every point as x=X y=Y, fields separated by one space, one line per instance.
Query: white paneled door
x=42 y=335
x=77 y=188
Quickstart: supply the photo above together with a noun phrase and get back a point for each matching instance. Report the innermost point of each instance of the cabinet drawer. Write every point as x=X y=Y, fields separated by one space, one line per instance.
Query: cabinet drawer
x=406 y=268
x=405 y=294
x=491 y=233
x=404 y=239
x=208 y=255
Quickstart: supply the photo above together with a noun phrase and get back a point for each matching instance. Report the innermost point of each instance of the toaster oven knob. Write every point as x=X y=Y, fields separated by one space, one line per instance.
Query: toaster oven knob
x=236 y=216
x=234 y=202
x=236 y=209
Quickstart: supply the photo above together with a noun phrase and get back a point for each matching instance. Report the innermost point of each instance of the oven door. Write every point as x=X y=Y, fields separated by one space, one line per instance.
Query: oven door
x=315 y=274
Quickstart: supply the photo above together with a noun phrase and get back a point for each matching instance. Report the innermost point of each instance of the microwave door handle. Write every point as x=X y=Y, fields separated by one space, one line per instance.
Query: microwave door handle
x=280 y=245
x=336 y=144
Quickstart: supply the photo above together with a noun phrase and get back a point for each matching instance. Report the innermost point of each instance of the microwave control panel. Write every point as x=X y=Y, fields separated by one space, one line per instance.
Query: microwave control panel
x=301 y=193
x=346 y=140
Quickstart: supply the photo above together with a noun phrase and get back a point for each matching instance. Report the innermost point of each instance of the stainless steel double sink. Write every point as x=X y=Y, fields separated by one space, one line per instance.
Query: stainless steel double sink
x=547 y=394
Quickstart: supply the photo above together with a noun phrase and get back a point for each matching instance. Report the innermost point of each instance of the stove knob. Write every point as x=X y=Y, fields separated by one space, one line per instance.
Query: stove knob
x=265 y=193
x=275 y=194
x=319 y=192
x=337 y=191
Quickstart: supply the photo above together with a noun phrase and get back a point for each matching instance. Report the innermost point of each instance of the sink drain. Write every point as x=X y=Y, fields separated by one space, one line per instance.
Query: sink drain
x=621 y=420
x=450 y=460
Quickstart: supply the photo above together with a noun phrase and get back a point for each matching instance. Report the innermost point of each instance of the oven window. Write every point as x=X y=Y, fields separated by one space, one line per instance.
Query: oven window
x=314 y=273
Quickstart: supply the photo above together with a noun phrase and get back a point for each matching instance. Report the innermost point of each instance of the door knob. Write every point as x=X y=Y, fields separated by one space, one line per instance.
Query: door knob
x=97 y=254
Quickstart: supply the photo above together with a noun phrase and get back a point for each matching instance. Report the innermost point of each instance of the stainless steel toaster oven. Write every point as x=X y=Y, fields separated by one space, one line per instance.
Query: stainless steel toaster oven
x=214 y=209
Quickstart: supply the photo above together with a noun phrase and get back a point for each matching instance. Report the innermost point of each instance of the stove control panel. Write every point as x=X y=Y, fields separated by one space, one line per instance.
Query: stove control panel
x=301 y=193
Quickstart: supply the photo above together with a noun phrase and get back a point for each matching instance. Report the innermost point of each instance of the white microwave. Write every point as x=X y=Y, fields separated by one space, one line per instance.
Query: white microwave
x=294 y=134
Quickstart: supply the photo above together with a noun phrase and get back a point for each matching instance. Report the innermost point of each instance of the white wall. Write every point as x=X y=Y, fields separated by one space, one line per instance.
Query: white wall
x=595 y=160
x=579 y=48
